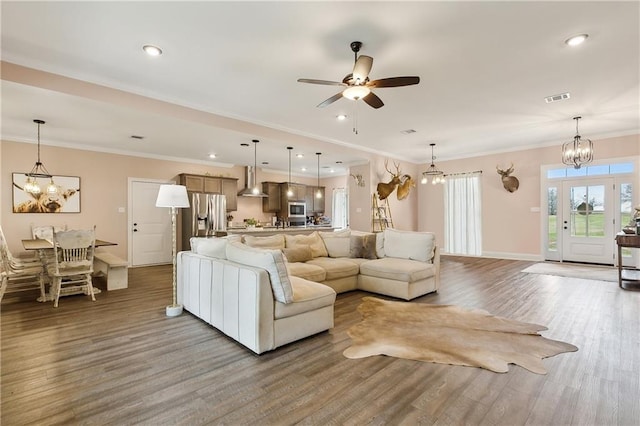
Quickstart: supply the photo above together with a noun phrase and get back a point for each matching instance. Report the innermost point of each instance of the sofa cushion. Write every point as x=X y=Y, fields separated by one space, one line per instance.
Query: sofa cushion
x=271 y=260
x=307 y=271
x=335 y=268
x=313 y=240
x=363 y=245
x=398 y=269
x=409 y=244
x=274 y=242
x=299 y=253
x=211 y=247
x=337 y=242
x=307 y=296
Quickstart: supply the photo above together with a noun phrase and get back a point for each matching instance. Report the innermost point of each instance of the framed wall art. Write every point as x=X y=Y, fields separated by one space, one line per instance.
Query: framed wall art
x=65 y=200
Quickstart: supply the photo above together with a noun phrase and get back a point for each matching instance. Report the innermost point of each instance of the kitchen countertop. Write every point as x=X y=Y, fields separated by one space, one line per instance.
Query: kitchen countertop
x=270 y=230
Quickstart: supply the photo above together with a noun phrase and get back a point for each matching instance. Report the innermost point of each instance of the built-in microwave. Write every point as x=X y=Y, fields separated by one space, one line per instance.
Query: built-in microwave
x=297 y=210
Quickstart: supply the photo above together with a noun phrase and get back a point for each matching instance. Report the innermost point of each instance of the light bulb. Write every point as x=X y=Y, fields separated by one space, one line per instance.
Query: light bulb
x=255 y=190
x=424 y=180
x=318 y=194
x=289 y=193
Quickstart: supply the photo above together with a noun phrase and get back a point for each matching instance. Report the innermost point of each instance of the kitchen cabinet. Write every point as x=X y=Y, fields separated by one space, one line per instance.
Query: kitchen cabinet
x=271 y=203
x=299 y=192
x=314 y=205
x=213 y=185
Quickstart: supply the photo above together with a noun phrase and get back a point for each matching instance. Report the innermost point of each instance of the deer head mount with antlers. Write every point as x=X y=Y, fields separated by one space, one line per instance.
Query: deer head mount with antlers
x=403 y=184
x=359 y=179
x=510 y=183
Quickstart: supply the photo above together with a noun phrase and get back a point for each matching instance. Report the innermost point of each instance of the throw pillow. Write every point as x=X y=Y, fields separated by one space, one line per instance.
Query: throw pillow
x=409 y=244
x=271 y=260
x=274 y=242
x=313 y=240
x=363 y=245
x=337 y=243
x=380 y=245
x=212 y=247
x=299 y=253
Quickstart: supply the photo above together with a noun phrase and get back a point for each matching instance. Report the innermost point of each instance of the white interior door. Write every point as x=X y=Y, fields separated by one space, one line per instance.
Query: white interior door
x=150 y=226
x=587 y=220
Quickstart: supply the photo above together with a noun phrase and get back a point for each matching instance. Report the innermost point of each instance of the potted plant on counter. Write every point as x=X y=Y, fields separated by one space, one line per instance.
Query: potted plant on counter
x=229 y=221
x=251 y=223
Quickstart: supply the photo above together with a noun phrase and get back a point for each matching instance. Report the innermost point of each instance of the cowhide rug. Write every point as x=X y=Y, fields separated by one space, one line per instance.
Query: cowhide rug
x=448 y=334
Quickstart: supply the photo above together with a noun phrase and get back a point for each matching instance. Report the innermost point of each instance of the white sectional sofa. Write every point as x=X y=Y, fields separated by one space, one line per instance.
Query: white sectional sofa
x=236 y=290
x=246 y=288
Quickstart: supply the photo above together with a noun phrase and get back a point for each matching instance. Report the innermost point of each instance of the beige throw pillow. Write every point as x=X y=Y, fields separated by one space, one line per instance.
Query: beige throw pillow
x=337 y=243
x=274 y=242
x=270 y=260
x=409 y=244
x=299 y=253
x=313 y=240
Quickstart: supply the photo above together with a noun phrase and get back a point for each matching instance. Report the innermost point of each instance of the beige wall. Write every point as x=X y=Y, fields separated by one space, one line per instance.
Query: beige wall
x=104 y=189
x=509 y=226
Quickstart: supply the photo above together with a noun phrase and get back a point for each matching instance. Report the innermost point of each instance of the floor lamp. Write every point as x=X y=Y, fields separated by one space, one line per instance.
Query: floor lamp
x=174 y=196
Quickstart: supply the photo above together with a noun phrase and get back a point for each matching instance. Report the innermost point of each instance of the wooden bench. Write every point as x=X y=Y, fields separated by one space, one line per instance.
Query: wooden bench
x=115 y=269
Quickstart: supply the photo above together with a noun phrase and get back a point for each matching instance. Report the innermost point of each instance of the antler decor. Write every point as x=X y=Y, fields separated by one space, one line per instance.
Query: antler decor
x=385 y=189
x=405 y=187
x=510 y=183
x=359 y=179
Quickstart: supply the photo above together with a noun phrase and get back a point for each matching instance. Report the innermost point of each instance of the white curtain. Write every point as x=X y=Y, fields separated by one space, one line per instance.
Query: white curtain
x=340 y=208
x=463 y=218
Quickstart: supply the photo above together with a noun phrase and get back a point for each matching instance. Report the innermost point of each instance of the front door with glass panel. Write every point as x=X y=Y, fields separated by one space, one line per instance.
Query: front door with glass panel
x=587 y=220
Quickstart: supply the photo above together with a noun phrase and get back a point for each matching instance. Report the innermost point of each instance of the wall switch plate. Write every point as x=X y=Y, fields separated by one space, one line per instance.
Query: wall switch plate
x=535 y=209
x=120 y=209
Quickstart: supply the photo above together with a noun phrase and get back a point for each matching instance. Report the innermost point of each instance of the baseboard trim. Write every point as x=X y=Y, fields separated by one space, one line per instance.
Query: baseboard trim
x=502 y=255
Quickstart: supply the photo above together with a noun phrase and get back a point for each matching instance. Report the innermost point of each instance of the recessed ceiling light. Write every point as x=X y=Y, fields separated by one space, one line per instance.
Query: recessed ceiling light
x=152 y=50
x=299 y=155
x=304 y=169
x=212 y=156
x=576 y=40
x=331 y=171
x=341 y=117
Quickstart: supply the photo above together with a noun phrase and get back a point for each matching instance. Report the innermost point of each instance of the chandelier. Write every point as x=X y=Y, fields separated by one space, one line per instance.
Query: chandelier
x=39 y=171
x=432 y=172
x=578 y=151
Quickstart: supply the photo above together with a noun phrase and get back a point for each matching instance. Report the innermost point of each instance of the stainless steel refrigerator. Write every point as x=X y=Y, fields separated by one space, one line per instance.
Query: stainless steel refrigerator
x=206 y=216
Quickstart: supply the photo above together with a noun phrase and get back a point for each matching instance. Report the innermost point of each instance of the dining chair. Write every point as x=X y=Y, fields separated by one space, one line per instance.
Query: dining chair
x=19 y=274
x=73 y=263
x=45 y=232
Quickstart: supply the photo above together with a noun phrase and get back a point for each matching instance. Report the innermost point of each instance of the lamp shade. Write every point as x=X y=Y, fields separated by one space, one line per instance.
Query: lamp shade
x=172 y=196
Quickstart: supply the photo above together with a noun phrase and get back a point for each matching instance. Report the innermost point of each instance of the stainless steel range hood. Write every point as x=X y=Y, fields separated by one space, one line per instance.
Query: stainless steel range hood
x=250 y=183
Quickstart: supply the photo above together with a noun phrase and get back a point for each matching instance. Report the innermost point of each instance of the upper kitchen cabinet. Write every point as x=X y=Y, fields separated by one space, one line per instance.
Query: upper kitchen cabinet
x=213 y=185
x=271 y=203
x=314 y=204
x=299 y=192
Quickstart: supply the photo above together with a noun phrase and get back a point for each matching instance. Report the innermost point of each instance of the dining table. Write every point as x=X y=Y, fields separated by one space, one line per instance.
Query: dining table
x=42 y=246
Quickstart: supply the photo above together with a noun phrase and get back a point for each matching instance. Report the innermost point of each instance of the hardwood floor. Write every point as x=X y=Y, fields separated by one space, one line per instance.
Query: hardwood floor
x=120 y=360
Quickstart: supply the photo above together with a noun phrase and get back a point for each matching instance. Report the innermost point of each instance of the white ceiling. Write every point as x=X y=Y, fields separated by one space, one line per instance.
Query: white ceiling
x=485 y=69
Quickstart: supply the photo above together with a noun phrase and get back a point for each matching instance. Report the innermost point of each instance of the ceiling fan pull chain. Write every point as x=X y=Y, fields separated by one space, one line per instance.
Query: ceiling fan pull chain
x=355 y=118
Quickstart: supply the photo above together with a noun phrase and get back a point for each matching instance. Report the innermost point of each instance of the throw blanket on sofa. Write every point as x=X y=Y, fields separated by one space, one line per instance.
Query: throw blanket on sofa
x=449 y=334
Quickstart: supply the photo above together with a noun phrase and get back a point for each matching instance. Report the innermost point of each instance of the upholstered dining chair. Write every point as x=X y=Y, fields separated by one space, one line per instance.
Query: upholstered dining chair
x=73 y=262
x=19 y=274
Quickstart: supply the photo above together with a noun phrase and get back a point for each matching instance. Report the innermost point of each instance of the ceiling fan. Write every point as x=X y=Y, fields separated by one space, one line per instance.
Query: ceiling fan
x=357 y=84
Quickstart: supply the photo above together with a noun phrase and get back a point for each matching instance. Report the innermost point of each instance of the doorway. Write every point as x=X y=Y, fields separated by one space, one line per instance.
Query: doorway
x=587 y=221
x=584 y=208
x=150 y=241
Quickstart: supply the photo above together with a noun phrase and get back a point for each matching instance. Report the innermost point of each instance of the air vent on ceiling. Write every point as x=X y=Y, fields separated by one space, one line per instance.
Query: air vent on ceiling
x=556 y=98
x=407 y=132
x=137 y=137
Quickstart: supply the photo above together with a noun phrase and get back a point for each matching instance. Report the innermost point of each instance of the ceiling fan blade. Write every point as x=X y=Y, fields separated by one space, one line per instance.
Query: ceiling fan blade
x=373 y=100
x=362 y=68
x=330 y=100
x=325 y=82
x=394 y=82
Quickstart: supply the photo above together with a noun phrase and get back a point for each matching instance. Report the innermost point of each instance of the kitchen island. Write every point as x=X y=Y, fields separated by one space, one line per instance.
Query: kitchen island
x=272 y=230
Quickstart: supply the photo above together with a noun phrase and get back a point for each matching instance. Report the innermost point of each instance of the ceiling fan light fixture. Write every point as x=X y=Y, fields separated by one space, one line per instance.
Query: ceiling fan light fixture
x=356 y=92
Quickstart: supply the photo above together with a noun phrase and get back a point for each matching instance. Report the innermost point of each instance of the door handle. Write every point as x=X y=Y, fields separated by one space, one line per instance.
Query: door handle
x=135 y=230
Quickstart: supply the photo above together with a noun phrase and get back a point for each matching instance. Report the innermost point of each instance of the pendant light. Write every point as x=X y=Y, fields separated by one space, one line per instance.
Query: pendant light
x=289 y=191
x=318 y=192
x=436 y=175
x=39 y=171
x=578 y=151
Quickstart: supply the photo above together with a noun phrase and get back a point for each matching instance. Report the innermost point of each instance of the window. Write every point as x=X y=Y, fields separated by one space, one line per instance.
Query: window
x=596 y=170
x=463 y=221
x=340 y=208
x=552 y=219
